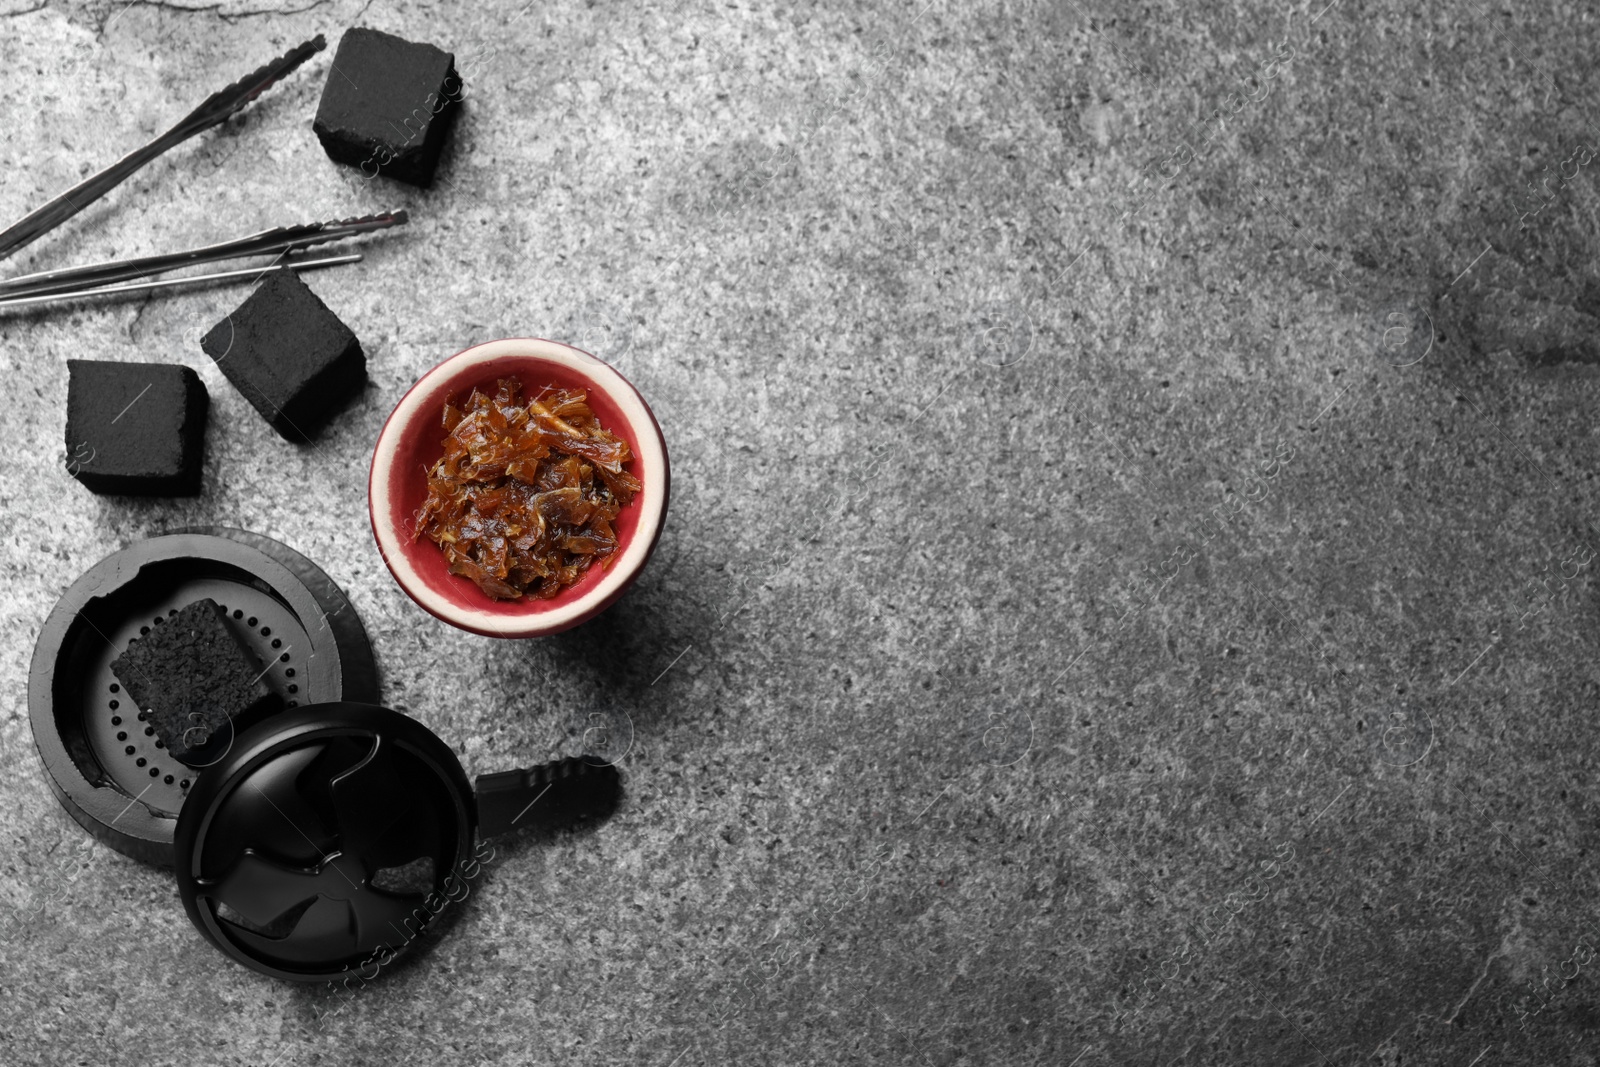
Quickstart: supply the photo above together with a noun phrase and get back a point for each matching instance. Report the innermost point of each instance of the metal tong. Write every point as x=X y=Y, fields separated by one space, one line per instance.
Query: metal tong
x=104 y=278
x=100 y=278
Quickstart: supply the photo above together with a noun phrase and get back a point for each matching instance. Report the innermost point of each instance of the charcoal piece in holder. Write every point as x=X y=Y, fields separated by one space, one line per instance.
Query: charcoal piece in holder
x=289 y=355
x=135 y=428
x=195 y=682
x=388 y=106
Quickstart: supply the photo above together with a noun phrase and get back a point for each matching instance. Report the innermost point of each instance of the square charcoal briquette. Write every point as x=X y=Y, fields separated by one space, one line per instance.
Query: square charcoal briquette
x=135 y=428
x=197 y=681
x=289 y=355
x=388 y=105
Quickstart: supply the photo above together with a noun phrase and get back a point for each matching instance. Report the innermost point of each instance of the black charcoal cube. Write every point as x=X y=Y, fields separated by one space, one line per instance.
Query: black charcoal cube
x=135 y=428
x=195 y=682
x=388 y=105
x=289 y=355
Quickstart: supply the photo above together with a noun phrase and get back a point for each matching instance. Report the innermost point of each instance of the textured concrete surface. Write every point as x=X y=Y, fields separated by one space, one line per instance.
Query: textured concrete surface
x=1075 y=639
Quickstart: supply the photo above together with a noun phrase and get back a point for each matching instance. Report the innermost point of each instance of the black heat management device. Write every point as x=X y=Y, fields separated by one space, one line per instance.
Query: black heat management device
x=325 y=837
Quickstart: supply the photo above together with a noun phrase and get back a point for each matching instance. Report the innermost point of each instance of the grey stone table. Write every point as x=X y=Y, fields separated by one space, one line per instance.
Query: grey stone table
x=1129 y=593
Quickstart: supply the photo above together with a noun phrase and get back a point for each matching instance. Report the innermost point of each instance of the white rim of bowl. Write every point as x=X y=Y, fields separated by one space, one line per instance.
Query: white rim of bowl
x=652 y=467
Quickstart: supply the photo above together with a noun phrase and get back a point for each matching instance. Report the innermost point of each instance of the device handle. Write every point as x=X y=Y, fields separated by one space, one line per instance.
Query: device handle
x=550 y=796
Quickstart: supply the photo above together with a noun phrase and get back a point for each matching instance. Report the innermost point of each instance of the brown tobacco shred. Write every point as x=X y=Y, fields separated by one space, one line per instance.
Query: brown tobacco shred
x=523 y=499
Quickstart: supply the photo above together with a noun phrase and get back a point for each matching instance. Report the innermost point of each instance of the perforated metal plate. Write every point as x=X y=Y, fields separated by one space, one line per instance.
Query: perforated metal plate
x=123 y=744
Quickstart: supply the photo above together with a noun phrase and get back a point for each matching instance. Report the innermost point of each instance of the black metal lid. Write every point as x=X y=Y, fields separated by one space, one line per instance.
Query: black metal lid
x=325 y=841
x=297 y=622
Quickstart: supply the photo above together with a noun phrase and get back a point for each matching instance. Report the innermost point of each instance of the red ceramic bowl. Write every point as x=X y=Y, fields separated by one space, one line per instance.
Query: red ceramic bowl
x=412 y=441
